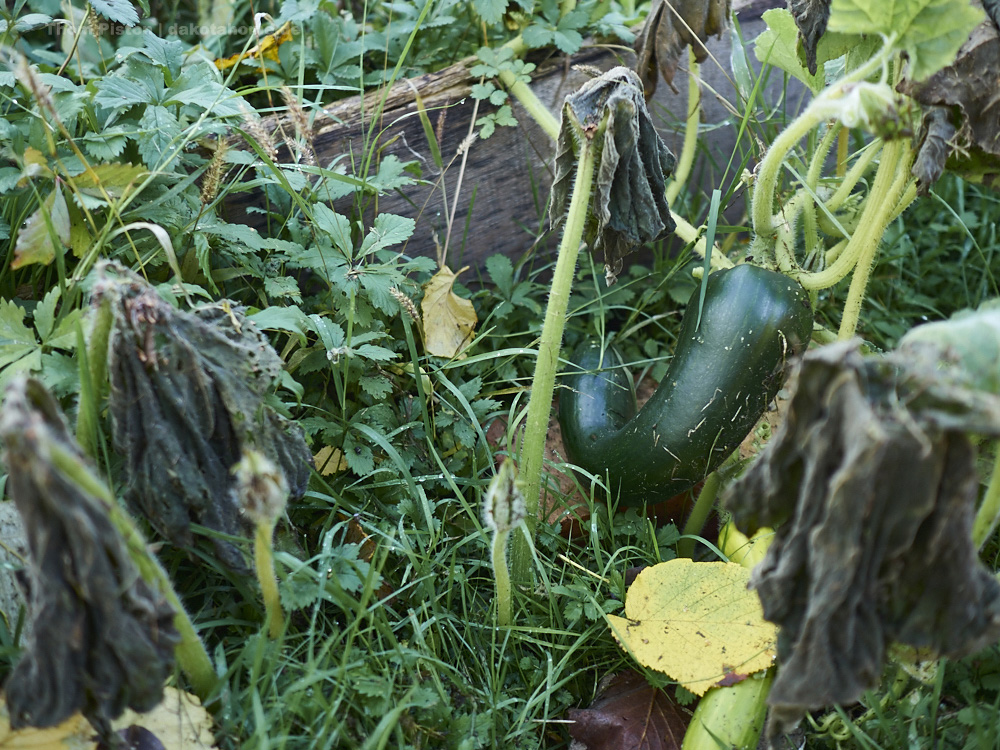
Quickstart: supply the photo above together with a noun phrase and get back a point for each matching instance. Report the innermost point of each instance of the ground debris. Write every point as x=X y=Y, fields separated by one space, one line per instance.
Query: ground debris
x=188 y=395
x=872 y=484
x=102 y=640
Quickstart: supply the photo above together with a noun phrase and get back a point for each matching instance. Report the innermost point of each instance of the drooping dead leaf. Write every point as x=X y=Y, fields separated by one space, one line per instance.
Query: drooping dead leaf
x=811 y=17
x=629 y=714
x=670 y=25
x=628 y=205
x=695 y=622
x=871 y=484
x=449 y=320
x=961 y=127
x=103 y=638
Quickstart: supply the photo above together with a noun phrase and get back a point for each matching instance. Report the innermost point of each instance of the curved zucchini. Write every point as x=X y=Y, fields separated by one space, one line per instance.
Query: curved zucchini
x=723 y=375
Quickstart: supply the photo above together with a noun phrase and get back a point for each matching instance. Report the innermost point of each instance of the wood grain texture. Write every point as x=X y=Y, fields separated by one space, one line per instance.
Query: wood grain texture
x=504 y=184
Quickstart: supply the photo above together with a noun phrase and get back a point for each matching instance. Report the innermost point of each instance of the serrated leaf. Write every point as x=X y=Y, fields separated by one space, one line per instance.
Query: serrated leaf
x=449 y=320
x=282 y=286
x=16 y=339
x=359 y=457
x=108 y=144
x=35 y=241
x=119 y=11
x=391 y=175
x=376 y=386
x=158 y=130
x=778 y=45
x=501 y=272
x=333 y=225
x=930 y=32
x=45 y=313
x=118 y=93
x=114 y=179
x=482 y=90
x=696 y=622
x=491 y=11
x=375 y=353
x=387 y=230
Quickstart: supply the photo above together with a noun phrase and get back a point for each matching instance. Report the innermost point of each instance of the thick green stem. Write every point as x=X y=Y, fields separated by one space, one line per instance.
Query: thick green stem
x=190 y=652
x=501 y=574
x=989 y=512
x=543 y=384
x=686 y=160
x=699 y=514
x=689 y=233
x=531 y=103
x=883 y=203
x=263 y=558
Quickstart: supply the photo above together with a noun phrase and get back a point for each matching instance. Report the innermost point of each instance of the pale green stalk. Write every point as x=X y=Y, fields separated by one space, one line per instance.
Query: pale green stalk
x=989 y=512
x=263 y=558
x=501 y=575
x=686 y=159
x=699 y=514
x=543 y=383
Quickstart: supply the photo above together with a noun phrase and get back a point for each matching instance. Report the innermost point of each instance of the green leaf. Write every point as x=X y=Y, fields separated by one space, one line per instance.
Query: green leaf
x=158 y=129
x=376 y=386
x=107 y=144
x=482 y=90
x=49 y=224
x=335 y=226
x=16 y=339
x=375 y=353
x=197 y=86
x=45 y=313
x=391 y=175
x=778 y=45
x=928 y=31
x=501 y=273
x=282 y=286
x=289 y=318
x=114 y=179
x=387 y=230
x=491 y=11
x=498 y=97
x=119 y=11
x=117 y=93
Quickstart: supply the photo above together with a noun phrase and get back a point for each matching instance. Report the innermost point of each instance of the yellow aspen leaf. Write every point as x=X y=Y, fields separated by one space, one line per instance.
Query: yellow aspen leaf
x=73 y=734
x=180 y=722
x=267 y=48
x=696 y=622
x=449 y=320
x=329 y=461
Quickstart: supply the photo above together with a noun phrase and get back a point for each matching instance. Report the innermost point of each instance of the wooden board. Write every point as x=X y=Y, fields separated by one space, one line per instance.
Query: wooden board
x=502 y=186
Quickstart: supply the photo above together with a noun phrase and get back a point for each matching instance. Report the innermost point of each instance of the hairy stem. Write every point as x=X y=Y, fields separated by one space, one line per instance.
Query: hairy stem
x=989 y=512
x=543 y=384
x=501 y=574
x=263 y=558
x=686 y=160
x=699 y=514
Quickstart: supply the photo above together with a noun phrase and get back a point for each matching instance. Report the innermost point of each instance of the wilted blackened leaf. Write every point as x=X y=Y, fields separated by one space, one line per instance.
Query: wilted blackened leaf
x=871 y=483
x=811 y=17
x=968 y=90
x=629 y=205
x=629 y=714
x=103 y=640
x=670 y=25
x=188 y=394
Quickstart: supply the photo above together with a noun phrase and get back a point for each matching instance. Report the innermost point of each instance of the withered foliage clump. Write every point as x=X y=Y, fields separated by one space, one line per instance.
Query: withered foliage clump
x=628 y=206
x=102 y=639
x=961 y=124
x=811 y=16
x=670 y=26
x=871 y=484
x=188 y=395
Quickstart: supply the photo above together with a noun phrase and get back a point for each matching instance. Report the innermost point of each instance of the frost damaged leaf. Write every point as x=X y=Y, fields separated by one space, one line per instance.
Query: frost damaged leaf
x=102 y=640
x=872 y=484
x=811 y=17
x=188 y=396
x=968 y=94
x=670 y=25
x=628 y=206
x=629 y=713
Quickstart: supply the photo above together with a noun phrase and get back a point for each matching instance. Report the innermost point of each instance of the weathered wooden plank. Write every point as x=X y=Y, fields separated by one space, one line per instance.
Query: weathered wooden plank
x=502 y=187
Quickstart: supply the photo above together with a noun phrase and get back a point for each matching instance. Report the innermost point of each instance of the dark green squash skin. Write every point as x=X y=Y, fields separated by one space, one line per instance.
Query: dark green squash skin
x=723 y=375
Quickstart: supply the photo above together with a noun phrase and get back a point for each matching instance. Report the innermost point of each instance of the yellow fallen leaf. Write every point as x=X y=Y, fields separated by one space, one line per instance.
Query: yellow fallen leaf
x=449 y=320
x=696 y=622
x=329 y=461
x=268 y=48
x=73 y=734
x=180 y=722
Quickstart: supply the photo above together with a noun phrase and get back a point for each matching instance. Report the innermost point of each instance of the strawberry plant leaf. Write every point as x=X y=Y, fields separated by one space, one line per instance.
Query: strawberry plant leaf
x=491 y=11
x=119 y=11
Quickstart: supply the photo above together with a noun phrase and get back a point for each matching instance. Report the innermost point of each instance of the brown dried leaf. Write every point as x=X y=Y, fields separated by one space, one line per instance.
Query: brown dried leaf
x=871 y=484
x=630 y=714
x=670 y=25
